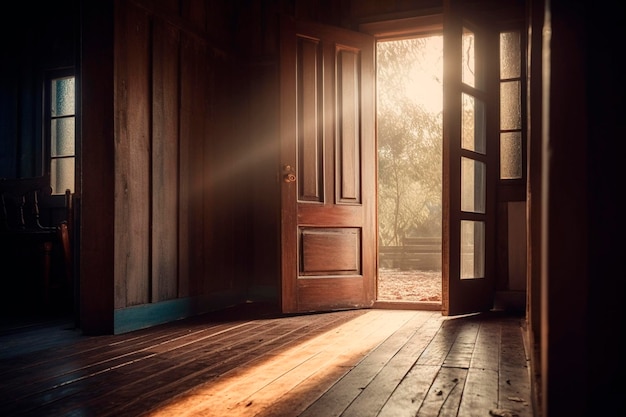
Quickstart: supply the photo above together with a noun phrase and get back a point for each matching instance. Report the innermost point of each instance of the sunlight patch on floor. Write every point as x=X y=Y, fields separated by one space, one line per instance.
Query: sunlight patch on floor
x=310 y=367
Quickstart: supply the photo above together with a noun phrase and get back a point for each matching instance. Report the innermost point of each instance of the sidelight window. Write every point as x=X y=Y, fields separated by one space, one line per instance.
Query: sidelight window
x=511 y=155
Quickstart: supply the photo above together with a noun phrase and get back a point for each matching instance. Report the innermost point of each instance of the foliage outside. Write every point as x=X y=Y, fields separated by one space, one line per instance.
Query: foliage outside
x=409 y=139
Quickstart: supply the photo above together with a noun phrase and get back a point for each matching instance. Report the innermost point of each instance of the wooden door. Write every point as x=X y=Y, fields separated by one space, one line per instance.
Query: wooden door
x=470 y=162
x=327 y=170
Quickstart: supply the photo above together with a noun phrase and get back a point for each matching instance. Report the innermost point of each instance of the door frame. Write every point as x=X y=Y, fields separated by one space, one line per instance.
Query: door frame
x=458 y=296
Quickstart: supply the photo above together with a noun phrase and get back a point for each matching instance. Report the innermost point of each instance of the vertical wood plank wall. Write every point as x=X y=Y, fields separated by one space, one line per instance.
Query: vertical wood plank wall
x=132 y=158
x=174 y=140
x=196 y=153
x=165 y=123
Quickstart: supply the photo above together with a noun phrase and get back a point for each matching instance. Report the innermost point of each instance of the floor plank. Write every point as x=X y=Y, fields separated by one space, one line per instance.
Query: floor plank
x=481 y=387
x=444 y=395
x=347 y=363
x=402 y=356
x=514 y=378
x=352 y=386
x=244 y=391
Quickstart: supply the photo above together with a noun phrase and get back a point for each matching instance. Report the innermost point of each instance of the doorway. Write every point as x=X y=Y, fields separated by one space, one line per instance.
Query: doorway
x=409 y=82
x=330 y=236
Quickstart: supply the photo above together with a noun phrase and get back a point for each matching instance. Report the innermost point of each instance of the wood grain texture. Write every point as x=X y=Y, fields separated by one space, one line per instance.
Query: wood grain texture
x=251 y=361
x=327 y=138
x=165 y=157
x=132 y=159
x=328 y=251
x=310 y=121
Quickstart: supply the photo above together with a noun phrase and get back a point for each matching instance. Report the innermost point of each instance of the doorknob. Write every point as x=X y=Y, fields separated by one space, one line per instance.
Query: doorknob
x=288 y=175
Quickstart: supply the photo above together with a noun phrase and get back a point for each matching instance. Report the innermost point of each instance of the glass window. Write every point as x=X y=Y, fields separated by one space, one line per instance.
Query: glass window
x=468 y=59
x=473 y=185
x=511 y=139
x=472 y=249
x=510 y=155
x=510 y=106
x=62 y=136
x=510 y=59
x=473 y=125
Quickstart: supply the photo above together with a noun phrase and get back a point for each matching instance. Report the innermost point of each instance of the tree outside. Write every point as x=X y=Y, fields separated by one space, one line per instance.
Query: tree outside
x=410 y=151
x=409 y=138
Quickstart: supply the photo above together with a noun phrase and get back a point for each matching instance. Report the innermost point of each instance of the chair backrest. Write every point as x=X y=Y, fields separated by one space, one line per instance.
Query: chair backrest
x=21 y=204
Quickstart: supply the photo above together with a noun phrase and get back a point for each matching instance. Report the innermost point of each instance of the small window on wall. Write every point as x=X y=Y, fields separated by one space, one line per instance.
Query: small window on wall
x=61 y=135
x=511 y=121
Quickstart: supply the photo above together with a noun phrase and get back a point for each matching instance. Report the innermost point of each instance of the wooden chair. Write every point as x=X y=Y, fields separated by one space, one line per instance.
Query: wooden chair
x=28 y=239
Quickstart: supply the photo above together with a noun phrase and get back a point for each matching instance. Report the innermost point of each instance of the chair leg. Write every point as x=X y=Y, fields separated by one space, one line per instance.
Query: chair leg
x=67 y=253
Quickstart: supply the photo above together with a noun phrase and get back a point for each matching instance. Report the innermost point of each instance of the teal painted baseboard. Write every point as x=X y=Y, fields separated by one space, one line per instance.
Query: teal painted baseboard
x=148 y=315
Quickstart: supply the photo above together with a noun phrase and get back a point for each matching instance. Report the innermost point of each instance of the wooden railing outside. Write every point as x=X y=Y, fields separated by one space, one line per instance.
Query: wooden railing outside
x=419 y=253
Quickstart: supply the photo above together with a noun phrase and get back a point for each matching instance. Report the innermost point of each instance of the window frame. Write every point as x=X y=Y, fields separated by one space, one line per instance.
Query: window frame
x=50 y=76
x=523 y=116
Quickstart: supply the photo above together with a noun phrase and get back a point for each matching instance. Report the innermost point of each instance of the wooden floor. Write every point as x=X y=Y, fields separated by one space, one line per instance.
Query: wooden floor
x=253 y=363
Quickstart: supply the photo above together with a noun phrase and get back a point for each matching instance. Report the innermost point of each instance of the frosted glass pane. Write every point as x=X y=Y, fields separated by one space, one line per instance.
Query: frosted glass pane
x=473 y=185
x=62 y=137
x=511 y=155
x=472 y=249
x=468 y=58
x=510 y=58
x=510 y=106
x=473 y=137
x=62 y=175
x=62 y=97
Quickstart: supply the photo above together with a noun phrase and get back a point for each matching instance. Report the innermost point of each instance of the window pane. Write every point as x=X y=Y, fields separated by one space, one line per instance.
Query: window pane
x=62 y=100
x=62 y=137
x=511 y=155
x=510 y=58
x=510 y=106
x=62 y=175
x=472 y=249
x=473 y=185
x=473 y=137
x=468 y=59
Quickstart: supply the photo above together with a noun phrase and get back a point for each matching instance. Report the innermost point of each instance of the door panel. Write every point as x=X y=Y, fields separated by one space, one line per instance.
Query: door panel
x=328 y=168
x=470 y=166
x=327 y=251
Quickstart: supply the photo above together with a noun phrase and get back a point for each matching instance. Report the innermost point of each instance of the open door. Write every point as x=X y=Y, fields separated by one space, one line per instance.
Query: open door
x=327 y=168
x=469 y=163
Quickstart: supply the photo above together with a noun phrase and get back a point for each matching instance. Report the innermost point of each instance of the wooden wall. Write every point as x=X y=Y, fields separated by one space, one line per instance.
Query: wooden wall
x=178 y=187
x=181 y=213
x=165 y=205
x=195 y=153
